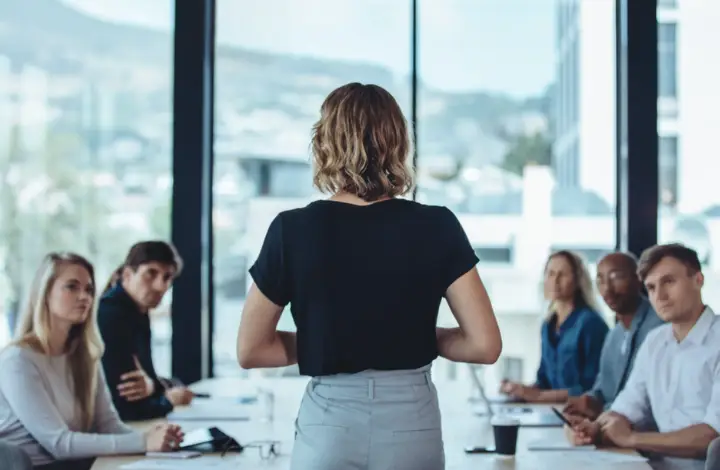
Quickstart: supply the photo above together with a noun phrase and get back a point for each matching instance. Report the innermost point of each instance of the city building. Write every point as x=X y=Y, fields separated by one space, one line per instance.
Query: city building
x=688 y=97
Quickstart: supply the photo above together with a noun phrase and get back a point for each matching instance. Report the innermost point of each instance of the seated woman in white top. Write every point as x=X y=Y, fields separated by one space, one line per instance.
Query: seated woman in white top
x=54 y=401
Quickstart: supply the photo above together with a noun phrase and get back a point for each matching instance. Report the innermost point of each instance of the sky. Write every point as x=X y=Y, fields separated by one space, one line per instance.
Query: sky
x=503 y=46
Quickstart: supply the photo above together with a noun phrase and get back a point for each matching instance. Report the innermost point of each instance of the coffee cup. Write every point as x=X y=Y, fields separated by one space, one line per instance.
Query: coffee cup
x=505 y=430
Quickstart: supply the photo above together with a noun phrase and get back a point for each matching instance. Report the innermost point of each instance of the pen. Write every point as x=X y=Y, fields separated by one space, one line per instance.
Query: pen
x=561 y=416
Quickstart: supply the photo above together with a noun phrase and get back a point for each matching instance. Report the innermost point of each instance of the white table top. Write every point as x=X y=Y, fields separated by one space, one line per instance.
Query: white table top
x=461 y=428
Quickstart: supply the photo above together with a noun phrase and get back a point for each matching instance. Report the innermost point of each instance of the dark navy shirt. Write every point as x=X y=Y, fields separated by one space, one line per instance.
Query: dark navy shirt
x=125 y=330
x=571 y=354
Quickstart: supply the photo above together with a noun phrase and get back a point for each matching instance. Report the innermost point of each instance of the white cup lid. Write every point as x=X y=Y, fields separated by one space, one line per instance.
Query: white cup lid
x=504 y=421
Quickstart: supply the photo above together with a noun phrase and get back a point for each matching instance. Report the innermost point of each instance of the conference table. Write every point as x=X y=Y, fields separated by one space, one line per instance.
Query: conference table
x=461 y=428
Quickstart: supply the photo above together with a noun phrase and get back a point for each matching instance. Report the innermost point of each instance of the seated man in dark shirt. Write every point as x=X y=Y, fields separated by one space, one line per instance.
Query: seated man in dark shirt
x=135 y=288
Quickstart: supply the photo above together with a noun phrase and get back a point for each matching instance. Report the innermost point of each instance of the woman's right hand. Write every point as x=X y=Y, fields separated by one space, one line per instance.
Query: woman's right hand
x=509 y=388
x=163 y=438
x=519 y=391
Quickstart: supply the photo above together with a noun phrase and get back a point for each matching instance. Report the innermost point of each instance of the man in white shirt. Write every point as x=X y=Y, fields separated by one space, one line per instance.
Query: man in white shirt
x=676 y=377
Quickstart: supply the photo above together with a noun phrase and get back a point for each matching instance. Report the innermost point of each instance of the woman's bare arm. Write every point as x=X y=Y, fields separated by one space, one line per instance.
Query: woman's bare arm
x=259 y=344
x=477 y=338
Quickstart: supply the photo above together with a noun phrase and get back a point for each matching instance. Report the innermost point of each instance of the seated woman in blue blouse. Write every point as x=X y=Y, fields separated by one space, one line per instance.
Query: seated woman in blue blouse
x=572 y=336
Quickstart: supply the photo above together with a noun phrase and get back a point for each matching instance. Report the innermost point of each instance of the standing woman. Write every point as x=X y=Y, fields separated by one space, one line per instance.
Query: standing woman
x=54 y=401
x=572 y=336
x=364 y=273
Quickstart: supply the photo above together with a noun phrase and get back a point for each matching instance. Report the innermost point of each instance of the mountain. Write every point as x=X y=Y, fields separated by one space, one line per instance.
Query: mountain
x=66 y=42
x=47 y=32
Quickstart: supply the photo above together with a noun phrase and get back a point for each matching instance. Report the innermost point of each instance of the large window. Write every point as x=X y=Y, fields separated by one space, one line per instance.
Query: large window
x=667 y=60
x=276 y=60
x=85 y=138
x=689 y=210
x=517 y=135
x=668 y=171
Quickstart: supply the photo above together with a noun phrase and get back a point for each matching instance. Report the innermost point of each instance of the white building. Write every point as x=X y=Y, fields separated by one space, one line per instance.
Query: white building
x=687 y=106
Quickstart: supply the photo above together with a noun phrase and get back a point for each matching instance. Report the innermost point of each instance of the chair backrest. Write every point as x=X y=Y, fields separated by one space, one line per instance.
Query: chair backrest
x=712 y=461
x=13 y=458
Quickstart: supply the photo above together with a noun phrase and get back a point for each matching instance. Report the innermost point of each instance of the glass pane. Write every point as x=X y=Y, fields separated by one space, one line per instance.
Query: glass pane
x=517 y=136
x=689 y=205
x=85 y=139
x=269 y=88
x=667 y=60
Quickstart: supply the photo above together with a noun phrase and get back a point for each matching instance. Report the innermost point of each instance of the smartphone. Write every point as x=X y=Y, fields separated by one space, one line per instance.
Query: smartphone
x=561 y=416
x=479 y=450
x=180 y=454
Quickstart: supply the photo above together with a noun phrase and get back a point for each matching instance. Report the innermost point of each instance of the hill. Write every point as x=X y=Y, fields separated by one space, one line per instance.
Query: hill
x=66 y=42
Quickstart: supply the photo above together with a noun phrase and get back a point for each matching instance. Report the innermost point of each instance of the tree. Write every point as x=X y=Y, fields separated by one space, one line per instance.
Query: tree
x=160 y=223
x=49 y=202
x=526 y=149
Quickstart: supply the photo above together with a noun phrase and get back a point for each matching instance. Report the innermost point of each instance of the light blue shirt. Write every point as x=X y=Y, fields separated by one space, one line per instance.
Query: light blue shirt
x=619 y=351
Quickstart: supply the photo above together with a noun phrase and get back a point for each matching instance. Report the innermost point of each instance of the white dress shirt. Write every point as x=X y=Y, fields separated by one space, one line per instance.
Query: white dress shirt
x=676 y=383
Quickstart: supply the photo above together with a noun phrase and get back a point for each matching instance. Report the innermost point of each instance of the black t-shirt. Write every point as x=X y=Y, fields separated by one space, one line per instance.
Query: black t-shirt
x=364 y=283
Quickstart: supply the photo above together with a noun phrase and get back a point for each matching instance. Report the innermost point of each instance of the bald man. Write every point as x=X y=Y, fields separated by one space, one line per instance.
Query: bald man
x=621 y=289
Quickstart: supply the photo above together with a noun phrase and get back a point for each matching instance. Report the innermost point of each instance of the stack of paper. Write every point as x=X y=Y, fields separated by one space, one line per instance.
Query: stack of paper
x=210 y=412
x=202 y=463
x=591 y=458
x=556 y=444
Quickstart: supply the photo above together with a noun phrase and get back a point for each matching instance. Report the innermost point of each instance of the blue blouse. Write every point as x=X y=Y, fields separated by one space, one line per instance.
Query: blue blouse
x=571 y=354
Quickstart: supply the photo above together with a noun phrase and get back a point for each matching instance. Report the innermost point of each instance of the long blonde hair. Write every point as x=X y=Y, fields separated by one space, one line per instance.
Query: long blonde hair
x=584 y=295
x=84 y=348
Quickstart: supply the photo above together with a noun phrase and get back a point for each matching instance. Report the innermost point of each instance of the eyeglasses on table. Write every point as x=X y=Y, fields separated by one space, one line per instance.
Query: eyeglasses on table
x=267 y=449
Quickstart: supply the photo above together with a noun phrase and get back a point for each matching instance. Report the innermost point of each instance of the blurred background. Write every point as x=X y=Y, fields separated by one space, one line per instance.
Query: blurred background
x=516 y=110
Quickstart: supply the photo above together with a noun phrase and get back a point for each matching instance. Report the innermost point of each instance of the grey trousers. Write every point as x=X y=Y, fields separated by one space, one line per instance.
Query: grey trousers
x=373 y=420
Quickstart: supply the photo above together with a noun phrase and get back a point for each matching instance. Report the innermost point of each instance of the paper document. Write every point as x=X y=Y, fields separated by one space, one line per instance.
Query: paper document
x=556 y=444
x=202 y=463
x=210 y=411
x=591 y=458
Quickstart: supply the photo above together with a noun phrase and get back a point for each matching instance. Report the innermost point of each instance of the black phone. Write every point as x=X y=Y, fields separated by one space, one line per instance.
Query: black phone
x=479 y=450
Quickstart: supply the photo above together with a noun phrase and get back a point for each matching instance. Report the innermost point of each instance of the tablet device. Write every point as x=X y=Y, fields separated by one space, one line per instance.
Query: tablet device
x=196 y=437
x=208 y=440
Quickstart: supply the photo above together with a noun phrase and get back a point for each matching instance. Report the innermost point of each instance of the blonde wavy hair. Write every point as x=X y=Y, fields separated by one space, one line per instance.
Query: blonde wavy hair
x=84 y=348
x=361 y=144
x=584 y=293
